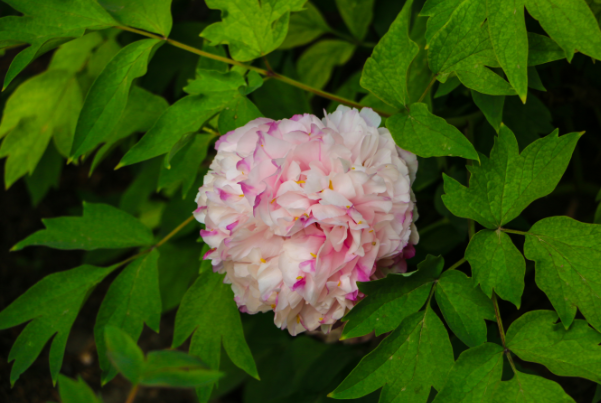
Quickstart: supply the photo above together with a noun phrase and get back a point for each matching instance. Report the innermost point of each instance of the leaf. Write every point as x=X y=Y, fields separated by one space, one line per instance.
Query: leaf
x=542 y=49
x=43 y=106
x=185 y=116
x=316 y=64
x=132 y=300
x=238 y=113
x=124 y=353
x=357 y=15
x=390 y=300
x=141 y=112
x=107 y=98
x=474 y=376
x=46 y=175
x=528 y=121
x=75 y=391
x=207 y=81
x=492 y=108
x=570 y=23
x=507 y=27
x=464 y=307
x=525 y=388
x=385 y=72
x=305 y=26
x=101 y=226
x=209 y=312
x=178 y=268
x=482 y=79
x=497 y=264
x=507 y=182
x=535 y=337
x=176 y=369
x=566 y=253
x=47 y=25
x=150 y=15
x=185 y=164
x=251 y=28
x=51 y=305
x=427 y=135
x=72 y=56
x=416 y=356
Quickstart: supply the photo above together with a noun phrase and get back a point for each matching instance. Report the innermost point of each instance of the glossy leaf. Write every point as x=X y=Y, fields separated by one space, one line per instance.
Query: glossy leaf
x=537 y=338
x=357 y=15
x=91 y=230
x=249 y=41
x=427 y=135
x=542 y=49
x=566 y=253
x=207 y=81
x=414 y=357
x=497 y=265
x=526 y=388
x=107 y=97
x=507 y=182
x=385 y=72
x=316 y=64
x=150 y=15
x=132 y=301
x=237 y=113
x=464 y=307
x=390 y=300
x=304 y=27
x=492 y=108
x=51 y=305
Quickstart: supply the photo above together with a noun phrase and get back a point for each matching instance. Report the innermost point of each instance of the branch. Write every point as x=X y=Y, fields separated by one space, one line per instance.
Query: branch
x=502 y=330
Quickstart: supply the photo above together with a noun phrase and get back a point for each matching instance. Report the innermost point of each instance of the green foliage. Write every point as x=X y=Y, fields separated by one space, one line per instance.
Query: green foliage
x=316 y=64
x=91 y=230
x=304 y=27
x=525 y=388
x=150 y=15
x=357 y=15
x=248 y=41
x=75 y=391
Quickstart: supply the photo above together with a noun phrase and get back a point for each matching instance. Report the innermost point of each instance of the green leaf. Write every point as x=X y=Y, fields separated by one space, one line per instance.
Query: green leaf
x=474 y=376
x=236 y=114
x=47 y=25
x=142 y=111
x=390 y=300
x=427 y=135
x=124 y=353
x=178 y=268
x=447 y=87
x=492 y=108
x=525 y=388
x=44 y=106
x=101 y=226
x=75 y=391
x=207 y=81
x=507 y=182
x=357 y=15
x=567 y=253
x=150 y=15
x=251 y=29
x=132 y=300
x=570 y=23
x=497 y=264
x=107 y=98
x=185 y=116
x=535 y=337
x=416 y=356
x=464 y=307
x=385 y=72
x=51 y=305
x=542 y=49
x=72 y=56
x=176 y=369
x=507 y=27
x=316 y=64
x=528 y=121
x=185 y=164
x=208 y=310
x=305 y=26
x=46 y=175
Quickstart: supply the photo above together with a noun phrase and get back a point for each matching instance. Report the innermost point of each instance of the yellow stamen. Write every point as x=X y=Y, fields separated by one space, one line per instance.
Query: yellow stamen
x=262 y=145
x=306 y=215
x=263 y=260
x=272 y=201
x=360 y=222
x=272 y=306
x=295 y=218
x=297 y=318
x=348 y=206
x=241 y=195
x=320 y=319
x=371 y=230
x=373 y=243
x=353 y=168
x=299 y=182
x=313 y=255
x=243 y=173
x=331 y=187
x=299 y=278
x=340 y=282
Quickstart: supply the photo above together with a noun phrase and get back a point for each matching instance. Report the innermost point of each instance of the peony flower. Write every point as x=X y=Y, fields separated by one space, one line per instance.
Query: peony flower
x=298 y=211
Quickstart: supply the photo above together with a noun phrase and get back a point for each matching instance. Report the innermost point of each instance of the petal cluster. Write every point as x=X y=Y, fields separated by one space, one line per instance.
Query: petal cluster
x=298 y=211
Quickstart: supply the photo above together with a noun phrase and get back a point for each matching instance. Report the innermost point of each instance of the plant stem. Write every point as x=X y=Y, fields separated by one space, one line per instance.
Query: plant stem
x=132 y=393
x=513 y=231
x=502 y=330
x=259 y=70
x=172 y=233
x=427 y=88
x=457 y=264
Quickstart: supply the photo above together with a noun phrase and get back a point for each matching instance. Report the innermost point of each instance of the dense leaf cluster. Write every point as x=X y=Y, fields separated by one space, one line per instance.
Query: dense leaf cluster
x=459 y=84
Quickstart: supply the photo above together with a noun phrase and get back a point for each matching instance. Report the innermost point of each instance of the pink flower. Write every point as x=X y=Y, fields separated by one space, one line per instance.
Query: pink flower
x=297 y=211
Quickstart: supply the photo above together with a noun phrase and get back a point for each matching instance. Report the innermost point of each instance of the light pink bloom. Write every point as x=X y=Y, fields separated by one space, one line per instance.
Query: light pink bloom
x=298 y=211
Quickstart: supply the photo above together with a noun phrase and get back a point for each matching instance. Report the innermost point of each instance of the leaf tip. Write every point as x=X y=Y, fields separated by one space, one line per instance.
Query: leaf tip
x=119 y=166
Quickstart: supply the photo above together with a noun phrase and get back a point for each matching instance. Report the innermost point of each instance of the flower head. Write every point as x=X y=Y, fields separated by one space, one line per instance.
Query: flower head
x=298 y=211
